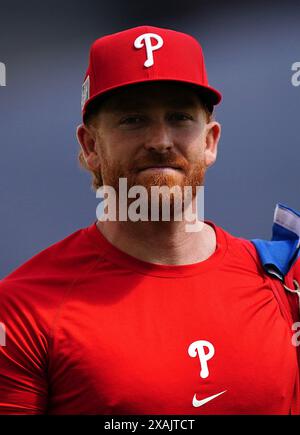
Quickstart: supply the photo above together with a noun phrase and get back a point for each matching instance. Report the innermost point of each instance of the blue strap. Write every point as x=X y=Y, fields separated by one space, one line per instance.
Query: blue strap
x=279 y=254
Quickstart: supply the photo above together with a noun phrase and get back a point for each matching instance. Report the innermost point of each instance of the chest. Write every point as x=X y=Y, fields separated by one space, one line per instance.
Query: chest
x=184 y=347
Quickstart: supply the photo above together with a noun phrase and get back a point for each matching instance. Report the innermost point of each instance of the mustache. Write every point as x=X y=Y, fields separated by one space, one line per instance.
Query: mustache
x=158 y=159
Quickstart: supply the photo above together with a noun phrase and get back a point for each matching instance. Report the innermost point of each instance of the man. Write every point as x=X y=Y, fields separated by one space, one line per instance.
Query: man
x=133 y=316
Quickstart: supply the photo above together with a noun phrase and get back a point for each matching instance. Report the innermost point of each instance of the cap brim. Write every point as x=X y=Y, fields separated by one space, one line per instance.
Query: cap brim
x=211 y=96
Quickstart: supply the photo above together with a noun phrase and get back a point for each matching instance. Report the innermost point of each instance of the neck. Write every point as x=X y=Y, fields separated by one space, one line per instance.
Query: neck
x=160 y=242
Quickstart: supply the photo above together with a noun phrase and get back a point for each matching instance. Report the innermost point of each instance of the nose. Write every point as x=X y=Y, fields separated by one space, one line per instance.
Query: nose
x=159 y=137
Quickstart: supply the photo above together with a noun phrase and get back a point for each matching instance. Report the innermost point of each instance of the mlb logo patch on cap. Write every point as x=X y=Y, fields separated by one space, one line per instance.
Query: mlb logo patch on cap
x=85 y=93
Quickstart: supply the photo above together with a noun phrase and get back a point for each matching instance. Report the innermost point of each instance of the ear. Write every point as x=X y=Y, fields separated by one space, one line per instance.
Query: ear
x=213 y=133
x=87 y=140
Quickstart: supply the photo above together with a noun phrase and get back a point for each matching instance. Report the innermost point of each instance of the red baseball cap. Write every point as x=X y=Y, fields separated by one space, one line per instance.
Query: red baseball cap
x=144 y=54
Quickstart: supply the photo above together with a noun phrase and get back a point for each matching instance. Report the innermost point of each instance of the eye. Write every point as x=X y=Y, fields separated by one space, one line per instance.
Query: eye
x=178 y=116
x=131 y=120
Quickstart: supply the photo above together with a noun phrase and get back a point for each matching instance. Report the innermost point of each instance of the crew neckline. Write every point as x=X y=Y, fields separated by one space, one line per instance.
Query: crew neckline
x=117 y=256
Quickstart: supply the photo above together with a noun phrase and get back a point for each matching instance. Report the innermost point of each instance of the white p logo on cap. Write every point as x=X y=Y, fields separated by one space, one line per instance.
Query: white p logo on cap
x=145 y=40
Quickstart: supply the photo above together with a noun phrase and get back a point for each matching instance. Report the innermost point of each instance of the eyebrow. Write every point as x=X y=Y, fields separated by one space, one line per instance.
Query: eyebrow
x=124 y=104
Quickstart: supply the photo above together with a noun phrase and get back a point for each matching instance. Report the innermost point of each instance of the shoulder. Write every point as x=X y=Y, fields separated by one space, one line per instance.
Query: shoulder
x=40 y=283
x=241 y=252
x=295 y=271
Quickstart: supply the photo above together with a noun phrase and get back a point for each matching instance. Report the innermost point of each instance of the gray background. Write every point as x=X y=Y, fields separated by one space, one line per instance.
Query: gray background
x=249 y=49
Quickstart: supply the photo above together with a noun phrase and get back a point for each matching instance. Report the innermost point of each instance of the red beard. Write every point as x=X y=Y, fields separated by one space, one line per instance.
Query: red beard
x=190 y=175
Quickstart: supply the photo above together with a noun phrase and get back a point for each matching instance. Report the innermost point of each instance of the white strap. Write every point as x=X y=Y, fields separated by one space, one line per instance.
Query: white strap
x=296 y=290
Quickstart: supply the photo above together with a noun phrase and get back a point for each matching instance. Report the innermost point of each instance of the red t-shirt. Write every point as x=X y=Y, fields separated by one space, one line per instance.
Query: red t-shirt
x=93 y=330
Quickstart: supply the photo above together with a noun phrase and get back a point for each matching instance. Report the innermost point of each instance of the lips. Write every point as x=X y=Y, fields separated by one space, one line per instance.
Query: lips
x=159 y=166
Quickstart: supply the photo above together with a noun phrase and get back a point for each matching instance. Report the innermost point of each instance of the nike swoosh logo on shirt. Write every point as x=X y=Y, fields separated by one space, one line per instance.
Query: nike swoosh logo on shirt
x=197 y=403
